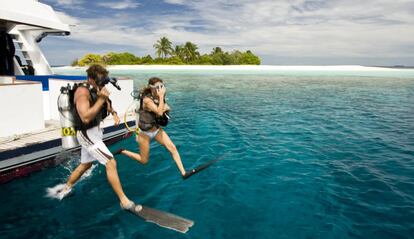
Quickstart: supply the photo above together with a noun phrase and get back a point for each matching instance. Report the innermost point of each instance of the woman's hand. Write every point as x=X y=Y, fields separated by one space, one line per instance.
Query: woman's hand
x=167 y=107
x=161 y=92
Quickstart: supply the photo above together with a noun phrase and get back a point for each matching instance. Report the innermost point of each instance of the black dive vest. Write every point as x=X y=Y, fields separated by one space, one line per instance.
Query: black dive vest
x=147 y=119
x=93 y=97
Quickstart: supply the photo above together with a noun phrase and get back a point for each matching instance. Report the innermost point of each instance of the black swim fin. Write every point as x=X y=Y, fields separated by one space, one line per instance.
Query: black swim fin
x=119 y=151
x=162 y=219
x=202 y=167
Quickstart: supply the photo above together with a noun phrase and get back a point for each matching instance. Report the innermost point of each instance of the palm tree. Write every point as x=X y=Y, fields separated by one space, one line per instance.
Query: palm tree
x=190 y=51
x=163 y=47
x=179 y=52
x=216 y=50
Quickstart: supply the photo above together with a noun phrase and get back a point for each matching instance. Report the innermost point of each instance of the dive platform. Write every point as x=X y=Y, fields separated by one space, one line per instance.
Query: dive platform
x=23 y=154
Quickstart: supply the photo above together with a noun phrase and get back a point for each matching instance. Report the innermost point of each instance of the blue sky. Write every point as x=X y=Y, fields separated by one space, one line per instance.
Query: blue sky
x=281 y=32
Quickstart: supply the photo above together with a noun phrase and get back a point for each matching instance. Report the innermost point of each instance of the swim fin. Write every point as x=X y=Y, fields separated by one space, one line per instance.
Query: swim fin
x=119 y=151
x=162 y=219
x=202 y=167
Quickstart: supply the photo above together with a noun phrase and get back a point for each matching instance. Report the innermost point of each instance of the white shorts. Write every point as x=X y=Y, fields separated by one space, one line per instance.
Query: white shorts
x=93 y=148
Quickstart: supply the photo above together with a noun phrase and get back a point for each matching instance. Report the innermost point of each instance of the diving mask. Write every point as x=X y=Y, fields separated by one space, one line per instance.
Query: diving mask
x=157 y=86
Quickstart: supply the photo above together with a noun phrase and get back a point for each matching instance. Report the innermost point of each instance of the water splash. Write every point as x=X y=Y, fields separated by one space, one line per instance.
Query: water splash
x=69 y=161
x=59 y=191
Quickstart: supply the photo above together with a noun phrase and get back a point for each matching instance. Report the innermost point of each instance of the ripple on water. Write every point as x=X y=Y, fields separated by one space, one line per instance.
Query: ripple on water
x=305 y=157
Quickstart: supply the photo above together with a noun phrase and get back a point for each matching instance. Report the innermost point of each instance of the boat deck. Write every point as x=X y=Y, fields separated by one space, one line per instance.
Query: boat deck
x=50 y=132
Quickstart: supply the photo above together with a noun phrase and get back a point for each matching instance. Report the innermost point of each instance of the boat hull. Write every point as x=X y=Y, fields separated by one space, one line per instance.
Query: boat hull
x=23 y=161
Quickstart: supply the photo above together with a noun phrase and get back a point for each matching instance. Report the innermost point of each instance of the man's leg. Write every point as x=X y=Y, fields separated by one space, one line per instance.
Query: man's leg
x=113 y=179
x=97 y=150
x=77 y=173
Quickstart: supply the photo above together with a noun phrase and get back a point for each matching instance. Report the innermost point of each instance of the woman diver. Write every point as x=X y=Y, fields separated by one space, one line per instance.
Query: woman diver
x=153 y=114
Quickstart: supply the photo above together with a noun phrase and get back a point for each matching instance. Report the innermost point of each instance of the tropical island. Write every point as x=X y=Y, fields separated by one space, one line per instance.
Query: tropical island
x=186 y=54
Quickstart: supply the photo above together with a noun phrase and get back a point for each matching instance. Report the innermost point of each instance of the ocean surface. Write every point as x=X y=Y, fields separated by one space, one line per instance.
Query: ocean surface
x=306 y=155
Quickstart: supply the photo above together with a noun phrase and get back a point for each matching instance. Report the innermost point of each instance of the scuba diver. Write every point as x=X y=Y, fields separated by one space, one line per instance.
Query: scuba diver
x=91 y=105
x=153 y=113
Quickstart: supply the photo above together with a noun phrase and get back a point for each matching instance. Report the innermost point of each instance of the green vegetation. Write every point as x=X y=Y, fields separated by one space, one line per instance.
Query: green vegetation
x=89 y=59
x=167 y=55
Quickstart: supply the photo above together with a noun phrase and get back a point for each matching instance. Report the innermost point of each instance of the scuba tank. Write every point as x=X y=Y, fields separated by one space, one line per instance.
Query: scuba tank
x=67 y=124
x=137 y=103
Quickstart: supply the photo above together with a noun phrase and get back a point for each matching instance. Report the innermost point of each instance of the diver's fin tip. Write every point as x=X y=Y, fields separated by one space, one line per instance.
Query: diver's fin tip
x=162 y=219
x=201 y=167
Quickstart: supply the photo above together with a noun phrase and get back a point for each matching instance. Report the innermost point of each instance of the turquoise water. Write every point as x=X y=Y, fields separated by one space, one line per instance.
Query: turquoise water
x=307 y=156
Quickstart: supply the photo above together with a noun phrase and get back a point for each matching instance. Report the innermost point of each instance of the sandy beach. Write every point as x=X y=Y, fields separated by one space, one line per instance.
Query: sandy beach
x=242 y=68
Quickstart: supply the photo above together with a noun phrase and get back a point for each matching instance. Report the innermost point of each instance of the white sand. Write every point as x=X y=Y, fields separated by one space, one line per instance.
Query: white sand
x=242 y=68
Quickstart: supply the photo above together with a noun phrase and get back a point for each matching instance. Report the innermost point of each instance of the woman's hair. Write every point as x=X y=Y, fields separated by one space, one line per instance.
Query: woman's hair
x=152 y=81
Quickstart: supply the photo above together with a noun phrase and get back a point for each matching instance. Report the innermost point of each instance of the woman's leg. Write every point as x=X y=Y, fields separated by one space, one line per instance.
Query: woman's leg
x=144 y=146
x=163 y=139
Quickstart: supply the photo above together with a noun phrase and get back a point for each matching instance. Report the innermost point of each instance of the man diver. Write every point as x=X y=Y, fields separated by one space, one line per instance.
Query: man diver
x=91 y=106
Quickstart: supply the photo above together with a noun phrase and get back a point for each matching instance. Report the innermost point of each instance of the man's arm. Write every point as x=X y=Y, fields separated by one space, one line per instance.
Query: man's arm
x=113 y=112
x=110 y=108
x=86 y=112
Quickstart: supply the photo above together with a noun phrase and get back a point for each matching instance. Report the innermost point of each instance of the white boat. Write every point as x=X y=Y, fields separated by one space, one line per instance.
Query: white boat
x=30 y=133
